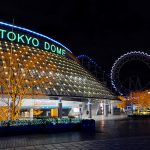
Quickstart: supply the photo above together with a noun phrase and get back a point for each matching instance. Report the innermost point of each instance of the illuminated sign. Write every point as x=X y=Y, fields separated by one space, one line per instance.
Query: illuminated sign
x=13 y=36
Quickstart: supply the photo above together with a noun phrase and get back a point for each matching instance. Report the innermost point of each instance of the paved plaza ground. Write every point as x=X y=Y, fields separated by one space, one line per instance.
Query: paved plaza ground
x=110 y=135
x=131 y=143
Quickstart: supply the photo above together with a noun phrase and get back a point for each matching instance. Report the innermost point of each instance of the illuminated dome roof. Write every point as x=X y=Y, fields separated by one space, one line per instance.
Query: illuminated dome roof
x=54 y=73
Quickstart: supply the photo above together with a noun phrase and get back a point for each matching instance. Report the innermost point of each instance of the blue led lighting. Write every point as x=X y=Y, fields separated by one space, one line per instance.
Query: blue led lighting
x=91 y=60
x=33 y=32
x=113 y=81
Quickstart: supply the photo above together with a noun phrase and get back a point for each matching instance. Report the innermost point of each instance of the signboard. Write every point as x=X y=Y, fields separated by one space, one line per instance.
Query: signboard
x=31 y=40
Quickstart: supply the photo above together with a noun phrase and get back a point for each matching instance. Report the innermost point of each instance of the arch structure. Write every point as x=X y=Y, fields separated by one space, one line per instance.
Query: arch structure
x=89 y=60
x=130 y=56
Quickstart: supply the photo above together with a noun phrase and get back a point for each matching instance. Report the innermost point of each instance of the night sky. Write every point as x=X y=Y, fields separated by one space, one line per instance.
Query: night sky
x=101 y=29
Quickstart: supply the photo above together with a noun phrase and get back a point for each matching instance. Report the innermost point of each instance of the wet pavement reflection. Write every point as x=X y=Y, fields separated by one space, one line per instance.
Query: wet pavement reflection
x=123 y=128
x=107 y=129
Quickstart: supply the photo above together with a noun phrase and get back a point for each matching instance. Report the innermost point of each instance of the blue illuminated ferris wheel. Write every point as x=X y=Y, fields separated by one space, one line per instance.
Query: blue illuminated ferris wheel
x=121 y=62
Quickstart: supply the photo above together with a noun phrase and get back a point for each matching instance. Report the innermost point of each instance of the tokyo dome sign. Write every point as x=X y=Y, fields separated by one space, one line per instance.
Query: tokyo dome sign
x=32 y=40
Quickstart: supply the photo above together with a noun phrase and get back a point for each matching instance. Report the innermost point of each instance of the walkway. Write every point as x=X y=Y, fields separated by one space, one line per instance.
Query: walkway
x=110 y=135
x=132 y=143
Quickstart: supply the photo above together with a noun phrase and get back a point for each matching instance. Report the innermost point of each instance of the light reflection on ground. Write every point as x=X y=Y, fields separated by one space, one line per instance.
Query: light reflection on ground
x=108 y=129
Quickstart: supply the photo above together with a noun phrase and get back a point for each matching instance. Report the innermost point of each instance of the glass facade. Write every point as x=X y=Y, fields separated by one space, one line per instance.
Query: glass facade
x=55 y=75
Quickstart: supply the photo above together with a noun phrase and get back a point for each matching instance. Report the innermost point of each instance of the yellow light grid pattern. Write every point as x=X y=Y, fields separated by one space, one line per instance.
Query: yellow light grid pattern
x=64 y=76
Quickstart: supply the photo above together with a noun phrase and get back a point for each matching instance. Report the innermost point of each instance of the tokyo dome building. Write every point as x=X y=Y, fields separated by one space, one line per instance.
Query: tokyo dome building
x=51 y=73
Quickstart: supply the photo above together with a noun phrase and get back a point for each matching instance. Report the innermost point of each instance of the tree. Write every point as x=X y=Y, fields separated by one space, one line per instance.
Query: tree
x=142 y=99
x=139 y=98
x=3 y=113
x=124 y=102
x=24 y=72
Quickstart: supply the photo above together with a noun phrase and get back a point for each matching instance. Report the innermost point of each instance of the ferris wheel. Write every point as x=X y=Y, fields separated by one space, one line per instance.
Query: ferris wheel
x=123 y=60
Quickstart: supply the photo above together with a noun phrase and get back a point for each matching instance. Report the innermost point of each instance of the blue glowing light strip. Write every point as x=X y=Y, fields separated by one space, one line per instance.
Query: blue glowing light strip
x=33 y=32
x=85 y=56
x=117 y=62
x=92 y=61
